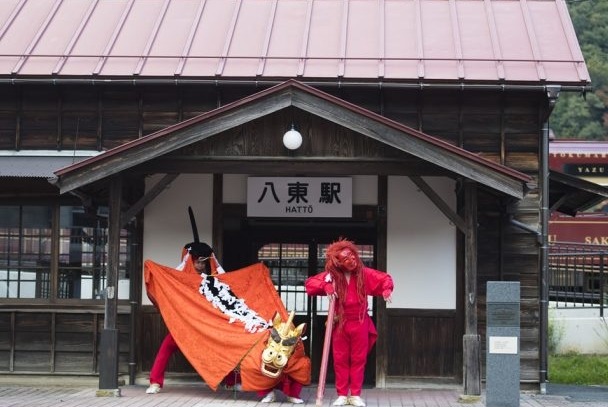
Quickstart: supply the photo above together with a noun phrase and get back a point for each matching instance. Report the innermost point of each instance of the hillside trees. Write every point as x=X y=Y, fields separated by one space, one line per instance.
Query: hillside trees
x=586 y=116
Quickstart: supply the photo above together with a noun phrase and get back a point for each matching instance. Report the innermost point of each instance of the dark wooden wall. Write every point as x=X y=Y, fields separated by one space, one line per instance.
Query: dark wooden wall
x=503 y=126
x=422 y=343
x=59 y=342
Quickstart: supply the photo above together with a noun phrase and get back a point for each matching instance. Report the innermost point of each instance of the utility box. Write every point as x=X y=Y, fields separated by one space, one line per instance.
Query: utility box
x=502 y=344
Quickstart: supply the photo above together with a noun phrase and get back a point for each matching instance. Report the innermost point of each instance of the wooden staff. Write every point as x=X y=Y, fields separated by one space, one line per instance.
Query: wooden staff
x=326 y=345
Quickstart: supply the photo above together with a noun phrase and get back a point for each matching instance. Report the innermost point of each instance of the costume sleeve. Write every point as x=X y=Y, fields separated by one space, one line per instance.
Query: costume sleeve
x=315 y=285
x=377 y=282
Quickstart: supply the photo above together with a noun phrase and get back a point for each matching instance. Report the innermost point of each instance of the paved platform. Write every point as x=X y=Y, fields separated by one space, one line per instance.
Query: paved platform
x=190 y=395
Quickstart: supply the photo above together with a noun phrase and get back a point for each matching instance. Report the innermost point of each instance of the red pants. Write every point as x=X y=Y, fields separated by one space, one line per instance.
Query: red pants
x=167 y=348
x=350 y=345
x=289 y=387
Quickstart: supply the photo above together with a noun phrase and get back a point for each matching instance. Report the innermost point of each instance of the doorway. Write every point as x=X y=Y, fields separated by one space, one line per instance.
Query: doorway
x=293 y=251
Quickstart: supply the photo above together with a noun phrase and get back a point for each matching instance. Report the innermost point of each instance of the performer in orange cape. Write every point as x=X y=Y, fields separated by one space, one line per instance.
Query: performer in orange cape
x=224 y=322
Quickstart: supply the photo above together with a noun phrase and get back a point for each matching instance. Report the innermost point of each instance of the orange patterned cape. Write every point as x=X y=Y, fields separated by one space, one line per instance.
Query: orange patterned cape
x=213 y=340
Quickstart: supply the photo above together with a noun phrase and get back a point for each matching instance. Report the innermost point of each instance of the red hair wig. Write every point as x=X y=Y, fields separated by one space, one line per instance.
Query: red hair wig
x=334 y=268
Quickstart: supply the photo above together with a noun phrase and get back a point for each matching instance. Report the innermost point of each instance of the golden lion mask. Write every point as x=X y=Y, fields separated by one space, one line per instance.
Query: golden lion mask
x=281 y=345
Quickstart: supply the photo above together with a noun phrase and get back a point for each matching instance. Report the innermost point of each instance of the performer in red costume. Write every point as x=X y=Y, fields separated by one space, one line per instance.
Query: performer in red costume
x=350 y=282
x=196 y=257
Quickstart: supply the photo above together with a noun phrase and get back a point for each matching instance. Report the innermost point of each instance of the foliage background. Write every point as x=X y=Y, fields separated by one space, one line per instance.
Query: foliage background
x=585 y=116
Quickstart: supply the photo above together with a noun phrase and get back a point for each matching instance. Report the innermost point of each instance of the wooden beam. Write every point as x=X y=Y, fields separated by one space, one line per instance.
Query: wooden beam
x=147 y=198
x=108 y=367
x=442 y=157
x=445 y=157
x=174 y=138
x=471 y=340
x=439 y=203
x=217 y=226
x=381 y=313
x=272 y=165
x=559 y=202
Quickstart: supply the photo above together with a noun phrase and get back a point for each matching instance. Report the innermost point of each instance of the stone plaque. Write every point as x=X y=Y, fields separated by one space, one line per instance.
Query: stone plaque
x=503 y=314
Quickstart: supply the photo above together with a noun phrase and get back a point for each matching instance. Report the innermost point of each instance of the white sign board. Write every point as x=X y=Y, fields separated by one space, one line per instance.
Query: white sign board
x=298 y=197
x=503 y=344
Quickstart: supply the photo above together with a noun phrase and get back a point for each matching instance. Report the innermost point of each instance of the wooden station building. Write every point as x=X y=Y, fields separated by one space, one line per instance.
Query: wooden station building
x=428 y=119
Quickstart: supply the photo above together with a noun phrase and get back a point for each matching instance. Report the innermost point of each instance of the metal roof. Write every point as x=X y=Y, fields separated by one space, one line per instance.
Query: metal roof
x=570 y=195
x=38 y=164
x=527 y=41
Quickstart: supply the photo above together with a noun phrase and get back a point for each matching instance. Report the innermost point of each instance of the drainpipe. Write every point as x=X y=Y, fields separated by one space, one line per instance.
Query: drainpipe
x=552 y=95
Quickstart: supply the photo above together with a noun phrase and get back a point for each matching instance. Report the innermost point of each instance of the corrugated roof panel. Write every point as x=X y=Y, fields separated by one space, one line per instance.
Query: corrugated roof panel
x=437 y=35
x=521 y=71
x=512 y=33
x=7 y=9
x=553 y=41
x=324 y=40
x=247 y=44
x=20 y=31
x=438 y=40
x=37 y=166
x=475 y=35
x=210 y=38
x=363 y=31
x=476 y=40
x=288 y=38
x=363 y=39
x=94 y=38
x=56 y=36
x=549 y=32
x=132 y=38
x=400 y=22
x=515 y=44
x=471 y=40
x=171 y=37
x=482 y=70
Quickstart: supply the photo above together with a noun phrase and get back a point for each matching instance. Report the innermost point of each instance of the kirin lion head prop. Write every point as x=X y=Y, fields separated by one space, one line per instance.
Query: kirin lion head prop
x=281 y=345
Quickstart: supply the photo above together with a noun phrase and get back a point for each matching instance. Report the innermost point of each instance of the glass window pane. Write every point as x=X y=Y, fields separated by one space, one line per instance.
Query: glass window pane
x=25 y=251
x=83 y=237
x=288 y=264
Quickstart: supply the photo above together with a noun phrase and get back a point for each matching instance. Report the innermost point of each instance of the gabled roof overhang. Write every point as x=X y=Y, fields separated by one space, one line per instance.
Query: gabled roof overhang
x=452 y=159
x=569 y=194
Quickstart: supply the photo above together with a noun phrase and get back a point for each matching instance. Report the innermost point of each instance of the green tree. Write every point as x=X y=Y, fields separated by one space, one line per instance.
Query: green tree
x=578 y=117
x=586 y=116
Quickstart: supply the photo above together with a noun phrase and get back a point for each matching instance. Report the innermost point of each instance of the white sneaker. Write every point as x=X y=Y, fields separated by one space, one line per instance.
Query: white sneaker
x=295 y=400
x=153 y=389
x=269 y=398
x=341 y=401
x=356 y=401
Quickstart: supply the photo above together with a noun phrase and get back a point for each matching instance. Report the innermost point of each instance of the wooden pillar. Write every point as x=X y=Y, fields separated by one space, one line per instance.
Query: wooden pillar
x=381 y=314
x=108 y=362
x=471 y=340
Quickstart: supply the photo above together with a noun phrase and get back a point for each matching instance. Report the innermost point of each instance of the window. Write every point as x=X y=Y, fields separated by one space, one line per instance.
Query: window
x=289 y=265
x=27 y=269
x=25 y=251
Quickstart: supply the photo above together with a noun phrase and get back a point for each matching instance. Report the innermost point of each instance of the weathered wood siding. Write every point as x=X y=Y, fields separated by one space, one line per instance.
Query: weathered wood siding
x=59 y=342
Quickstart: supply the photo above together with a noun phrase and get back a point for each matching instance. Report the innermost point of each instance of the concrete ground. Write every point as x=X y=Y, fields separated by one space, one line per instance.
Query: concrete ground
x=83 y=392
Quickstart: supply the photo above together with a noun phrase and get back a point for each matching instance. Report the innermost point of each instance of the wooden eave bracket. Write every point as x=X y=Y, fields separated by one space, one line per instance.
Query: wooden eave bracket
x=439 y=203
x=559 y=202
x=147 y=198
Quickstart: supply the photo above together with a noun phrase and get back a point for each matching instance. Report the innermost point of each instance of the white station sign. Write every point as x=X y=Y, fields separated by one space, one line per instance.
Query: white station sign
x=299 y=197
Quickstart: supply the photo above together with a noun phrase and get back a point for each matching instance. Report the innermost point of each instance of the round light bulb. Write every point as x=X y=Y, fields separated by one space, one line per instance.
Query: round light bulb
x=292 y=139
